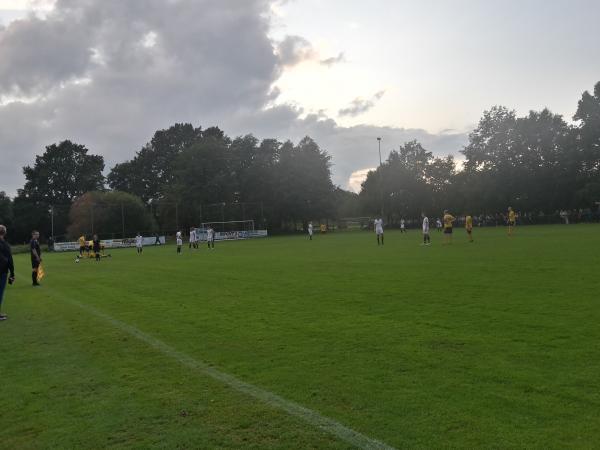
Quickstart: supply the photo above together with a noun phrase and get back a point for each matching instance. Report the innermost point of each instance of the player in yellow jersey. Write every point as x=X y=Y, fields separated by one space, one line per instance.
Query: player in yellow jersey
x=469 y=227
x=448 y=222
x=512 y=221
x=81 y=245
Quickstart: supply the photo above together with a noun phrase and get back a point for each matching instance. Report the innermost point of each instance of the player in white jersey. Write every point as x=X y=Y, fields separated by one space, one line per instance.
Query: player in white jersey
x=438 y=224
x=402 y=226
x=192 y=238
x=139 y=243
x=378 y=225
x=426 y=237
x=310 y=230
x=210 y=237
x=179 y=241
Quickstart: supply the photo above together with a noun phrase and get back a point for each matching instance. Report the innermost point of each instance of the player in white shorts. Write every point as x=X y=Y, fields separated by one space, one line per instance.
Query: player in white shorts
x=310 y=230
x=426 y=237
x=192 y=238
x=378 y=225
x=210 y=237
x=139 y=243
x=179 y=241
x=402 y=226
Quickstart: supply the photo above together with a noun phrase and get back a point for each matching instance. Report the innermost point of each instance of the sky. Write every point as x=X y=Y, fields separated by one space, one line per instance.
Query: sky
x=108 y=73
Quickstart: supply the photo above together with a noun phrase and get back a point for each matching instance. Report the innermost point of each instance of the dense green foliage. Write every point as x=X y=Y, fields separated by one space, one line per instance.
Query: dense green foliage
x=484 y=345
x=112 y=212
x=537 y=163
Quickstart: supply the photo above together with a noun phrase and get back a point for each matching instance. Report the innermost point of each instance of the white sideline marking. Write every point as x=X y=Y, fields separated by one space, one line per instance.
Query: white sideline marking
x=308 y=415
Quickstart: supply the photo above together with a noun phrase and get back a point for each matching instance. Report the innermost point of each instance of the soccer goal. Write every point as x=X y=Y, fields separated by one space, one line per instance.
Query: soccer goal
x=230 y=230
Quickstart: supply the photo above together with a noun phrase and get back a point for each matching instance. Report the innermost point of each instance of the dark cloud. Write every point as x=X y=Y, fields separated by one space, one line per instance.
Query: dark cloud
x=360 y=106
x=108 y=73
x=294 y=49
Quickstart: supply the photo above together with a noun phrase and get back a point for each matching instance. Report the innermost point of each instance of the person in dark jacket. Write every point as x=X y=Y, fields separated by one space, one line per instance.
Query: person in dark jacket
x=7 y=267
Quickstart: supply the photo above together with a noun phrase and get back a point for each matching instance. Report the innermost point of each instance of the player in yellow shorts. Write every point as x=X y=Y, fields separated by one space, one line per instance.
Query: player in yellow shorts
x=512 y=221
x=448 y=221
x=469 y=227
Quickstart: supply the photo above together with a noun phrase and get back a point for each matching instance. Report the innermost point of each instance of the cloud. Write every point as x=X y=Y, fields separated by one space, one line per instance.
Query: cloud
x=108 y=73
x=357 y=178
x=294 y=50
x=340 y=58
x=360 y=106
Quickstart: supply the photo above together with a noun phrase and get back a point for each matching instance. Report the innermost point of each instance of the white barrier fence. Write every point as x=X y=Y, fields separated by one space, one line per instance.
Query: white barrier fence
x=231 y=235
x=109 y=243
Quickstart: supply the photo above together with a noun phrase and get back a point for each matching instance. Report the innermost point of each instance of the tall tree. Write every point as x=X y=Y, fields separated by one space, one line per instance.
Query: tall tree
x=587 y=142
x=151 y=171
x=6 y=210
x=109 y=214
x=62 y=173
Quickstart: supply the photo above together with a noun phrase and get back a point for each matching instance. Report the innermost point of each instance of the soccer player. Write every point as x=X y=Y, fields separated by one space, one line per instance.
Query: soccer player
x=139 y=243
x=210 y=237
x=196 y=239
x=96 y=247
x=402 y=226
x=448 y=222
x=7 y=267
x=81 y=245
x=512 y=221
x=426 y=237
x=310 y=230
x=179 y=241
x=469 y=227
x=192 y=238
x=438 y=225
x=378 y=225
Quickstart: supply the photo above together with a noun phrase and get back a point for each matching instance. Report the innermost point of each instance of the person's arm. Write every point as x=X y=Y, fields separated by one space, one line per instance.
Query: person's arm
x=11 y=265
x=35 y=253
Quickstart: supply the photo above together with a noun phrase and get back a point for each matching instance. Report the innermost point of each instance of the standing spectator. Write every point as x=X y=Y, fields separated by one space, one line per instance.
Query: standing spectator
x=7 y=268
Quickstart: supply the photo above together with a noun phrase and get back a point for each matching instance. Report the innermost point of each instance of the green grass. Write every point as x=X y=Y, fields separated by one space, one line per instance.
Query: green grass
x=493 y=344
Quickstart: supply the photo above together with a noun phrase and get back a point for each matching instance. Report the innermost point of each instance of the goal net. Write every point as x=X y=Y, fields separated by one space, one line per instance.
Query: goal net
x=230 y=230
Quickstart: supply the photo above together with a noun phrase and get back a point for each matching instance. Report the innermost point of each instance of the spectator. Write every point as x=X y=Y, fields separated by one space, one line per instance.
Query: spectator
x=7 y=268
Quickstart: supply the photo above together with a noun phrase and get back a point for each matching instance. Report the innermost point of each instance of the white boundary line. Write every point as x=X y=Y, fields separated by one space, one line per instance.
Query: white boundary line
x=315 y=419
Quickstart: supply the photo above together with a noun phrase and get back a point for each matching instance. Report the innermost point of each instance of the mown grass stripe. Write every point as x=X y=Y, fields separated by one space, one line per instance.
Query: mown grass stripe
x=309 y=416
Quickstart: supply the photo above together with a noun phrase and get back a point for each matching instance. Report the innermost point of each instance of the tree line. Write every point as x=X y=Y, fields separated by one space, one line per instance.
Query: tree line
x=186 y=175
x=538 y=164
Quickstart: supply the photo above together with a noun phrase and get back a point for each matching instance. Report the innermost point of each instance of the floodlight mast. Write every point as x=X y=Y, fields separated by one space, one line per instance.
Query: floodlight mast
x=380 y=174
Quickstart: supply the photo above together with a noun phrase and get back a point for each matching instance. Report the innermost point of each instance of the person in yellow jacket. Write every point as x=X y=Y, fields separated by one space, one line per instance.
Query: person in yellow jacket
x=81 y=245
x=469 y=227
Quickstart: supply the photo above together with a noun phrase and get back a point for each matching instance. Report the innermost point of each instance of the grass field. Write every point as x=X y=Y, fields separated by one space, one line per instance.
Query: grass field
x=494 y=344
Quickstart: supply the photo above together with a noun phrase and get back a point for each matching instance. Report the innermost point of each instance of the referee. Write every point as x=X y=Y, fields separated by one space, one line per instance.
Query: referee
x=7 y=268
x=36 y=256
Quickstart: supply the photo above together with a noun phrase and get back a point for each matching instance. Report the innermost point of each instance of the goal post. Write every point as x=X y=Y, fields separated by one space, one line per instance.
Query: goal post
x=230 y=230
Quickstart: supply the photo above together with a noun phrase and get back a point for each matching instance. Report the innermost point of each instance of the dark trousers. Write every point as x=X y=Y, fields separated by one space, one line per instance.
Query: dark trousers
x=3 y=280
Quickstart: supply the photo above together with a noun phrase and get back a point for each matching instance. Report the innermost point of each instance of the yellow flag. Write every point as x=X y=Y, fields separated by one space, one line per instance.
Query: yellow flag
x=40 y=273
